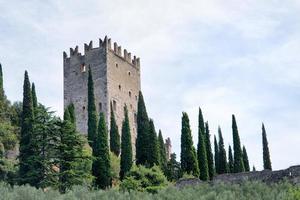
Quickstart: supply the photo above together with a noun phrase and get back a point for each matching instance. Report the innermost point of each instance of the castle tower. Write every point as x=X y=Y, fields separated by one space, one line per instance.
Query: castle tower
x=168 y=148
x=116 y=80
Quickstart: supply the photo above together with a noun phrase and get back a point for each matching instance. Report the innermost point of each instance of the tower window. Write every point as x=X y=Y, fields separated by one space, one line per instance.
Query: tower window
x=114 y=105
x=83 y=108
x=129 y=93
x=117 y=65
x=100 y=106
x=83 y=68
x=119 y=87
x=129 y=73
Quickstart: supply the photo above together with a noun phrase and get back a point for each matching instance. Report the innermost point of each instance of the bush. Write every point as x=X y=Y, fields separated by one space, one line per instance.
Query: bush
x=144 y=179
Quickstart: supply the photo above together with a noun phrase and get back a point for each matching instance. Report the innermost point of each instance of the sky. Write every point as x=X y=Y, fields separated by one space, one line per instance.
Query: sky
x=227 y=57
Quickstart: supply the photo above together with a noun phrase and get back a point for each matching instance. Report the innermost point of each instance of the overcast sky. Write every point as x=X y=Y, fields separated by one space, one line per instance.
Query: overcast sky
x=228 y=57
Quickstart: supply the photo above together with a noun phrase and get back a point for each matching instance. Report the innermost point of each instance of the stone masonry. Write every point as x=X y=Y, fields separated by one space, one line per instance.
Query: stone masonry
x=116 y=80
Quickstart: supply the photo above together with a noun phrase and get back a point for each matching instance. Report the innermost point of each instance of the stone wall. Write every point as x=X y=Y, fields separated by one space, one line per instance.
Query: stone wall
x=116 y=79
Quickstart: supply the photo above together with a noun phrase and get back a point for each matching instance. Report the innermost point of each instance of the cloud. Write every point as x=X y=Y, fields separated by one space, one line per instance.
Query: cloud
x=227 y=57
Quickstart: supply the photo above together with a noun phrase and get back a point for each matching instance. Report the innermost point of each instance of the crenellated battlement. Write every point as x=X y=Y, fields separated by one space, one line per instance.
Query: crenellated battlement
x=105 y=44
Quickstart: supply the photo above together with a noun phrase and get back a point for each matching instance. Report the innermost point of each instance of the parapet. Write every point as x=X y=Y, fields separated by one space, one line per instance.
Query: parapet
x=106 y=44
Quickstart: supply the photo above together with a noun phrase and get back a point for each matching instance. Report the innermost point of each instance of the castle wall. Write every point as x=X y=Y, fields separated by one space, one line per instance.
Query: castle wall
x=123 y=82
x=116 y=79
x=75 y=83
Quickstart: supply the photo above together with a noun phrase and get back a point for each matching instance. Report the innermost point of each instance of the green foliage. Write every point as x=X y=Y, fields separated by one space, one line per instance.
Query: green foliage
x=142 y=142
x=210 y=159
x=71 y=109
x=126 y=153
x=8 y=136
x=223 y=166
x=245 y=191
x=188 y=158
x=266 y=152
x=245 y=160
x=153 y=154
x=114 y=133
x=238 y=165
x=115 y=168
x=8 y=170
x=162 y=152
x=26 y=150
x=16 y=114
x=216 y=147
x=144 y=180
x=201 y=149
x=34 y=98
x=92 y=112
x=74 y=160
x=101 y=165
x=173 y=171
x=230 y=160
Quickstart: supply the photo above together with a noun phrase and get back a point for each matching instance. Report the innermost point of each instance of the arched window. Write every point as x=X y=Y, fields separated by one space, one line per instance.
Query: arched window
x=129 y=93
x=83 y=68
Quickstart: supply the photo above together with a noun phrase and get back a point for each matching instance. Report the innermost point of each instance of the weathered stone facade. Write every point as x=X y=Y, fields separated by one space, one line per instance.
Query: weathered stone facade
x=116 y=80
x=168 y=148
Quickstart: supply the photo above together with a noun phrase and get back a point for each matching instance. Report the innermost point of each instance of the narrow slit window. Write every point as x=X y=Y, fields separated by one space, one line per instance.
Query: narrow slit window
x=129 y=93
x=83 y=68
x=100 y=106
x=120 y=87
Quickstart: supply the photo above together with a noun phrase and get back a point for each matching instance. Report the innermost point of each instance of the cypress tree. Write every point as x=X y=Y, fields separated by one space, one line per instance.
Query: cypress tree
x=92 y=113
x=34 y=98
x=210 y=159
x=153 y=156
x=173 y=172
x=71 y=109
x=201 y=149
x=237 y=150
x=223 y=168
x=266 y=152
x=245 y=160
x=142 y=132
x=114 y=133
x=26 y=150
x=1 y=85
x=162 y=152
x=216 y=155
x=126 y=153
x=188 y=158
x=230 y=160
x=101 y=165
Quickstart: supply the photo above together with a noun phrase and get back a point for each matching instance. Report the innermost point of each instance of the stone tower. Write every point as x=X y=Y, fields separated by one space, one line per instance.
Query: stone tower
x=116 y=80
x=168 y=148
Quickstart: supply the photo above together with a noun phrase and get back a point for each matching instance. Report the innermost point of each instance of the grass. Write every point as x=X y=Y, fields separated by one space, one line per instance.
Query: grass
x=246 y=191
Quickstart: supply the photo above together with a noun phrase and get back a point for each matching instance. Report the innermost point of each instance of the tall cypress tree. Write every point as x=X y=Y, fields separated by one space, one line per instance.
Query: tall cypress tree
x=201 y=149
x=230 y=160
x=126 y=153
x=153 y=158
x=71 y=109
x=1 y=85
x=245 y=160
x=216 y=155
x=34 y=98
x=210 y=159
x=26 y=150
x=237 y=150
x=92 y=113
x=101 y=165
x=162 y=152
x=223 y=168
x=266 y=152
x=142 y=142
x=114 y=133
x=189 y=162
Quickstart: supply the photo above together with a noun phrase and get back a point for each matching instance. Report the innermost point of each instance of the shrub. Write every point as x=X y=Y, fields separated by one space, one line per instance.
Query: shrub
x=144 y=179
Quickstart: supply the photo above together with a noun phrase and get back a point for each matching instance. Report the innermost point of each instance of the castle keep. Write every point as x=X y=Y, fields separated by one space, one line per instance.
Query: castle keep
x=116 y=76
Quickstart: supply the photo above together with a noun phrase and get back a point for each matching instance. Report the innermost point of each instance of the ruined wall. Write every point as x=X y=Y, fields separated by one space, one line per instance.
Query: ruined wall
x=116 y=79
